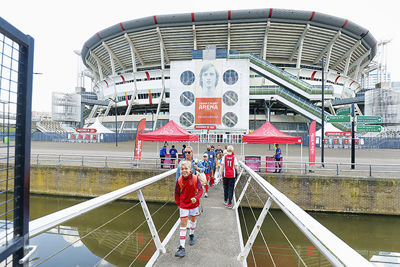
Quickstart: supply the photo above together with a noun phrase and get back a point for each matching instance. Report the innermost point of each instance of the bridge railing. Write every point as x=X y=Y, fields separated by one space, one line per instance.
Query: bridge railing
x=260 y=166
x=333 y=248
x=52 y=220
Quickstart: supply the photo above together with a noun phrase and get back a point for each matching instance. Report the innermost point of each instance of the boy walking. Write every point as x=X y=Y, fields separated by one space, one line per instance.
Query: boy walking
x=207 y=171
x=188 y=191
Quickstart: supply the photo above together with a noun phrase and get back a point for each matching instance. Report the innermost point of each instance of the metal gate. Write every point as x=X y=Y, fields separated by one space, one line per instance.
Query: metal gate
x=16 y=71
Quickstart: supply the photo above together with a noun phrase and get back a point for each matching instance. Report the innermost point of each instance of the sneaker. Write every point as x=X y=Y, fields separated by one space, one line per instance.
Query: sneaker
x=180 y=252
x=191 y=240
x=229 y=206
x=225 y=203
x=206 y=195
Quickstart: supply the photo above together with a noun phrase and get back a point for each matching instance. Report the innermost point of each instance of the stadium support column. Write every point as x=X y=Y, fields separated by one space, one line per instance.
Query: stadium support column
x=134 y=69
x=162 y=78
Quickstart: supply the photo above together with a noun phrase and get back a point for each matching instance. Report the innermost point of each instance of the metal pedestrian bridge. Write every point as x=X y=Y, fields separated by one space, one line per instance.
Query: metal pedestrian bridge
x=222 y=236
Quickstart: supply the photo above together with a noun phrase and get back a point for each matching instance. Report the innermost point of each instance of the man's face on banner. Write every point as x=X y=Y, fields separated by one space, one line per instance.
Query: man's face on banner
x=209 y=79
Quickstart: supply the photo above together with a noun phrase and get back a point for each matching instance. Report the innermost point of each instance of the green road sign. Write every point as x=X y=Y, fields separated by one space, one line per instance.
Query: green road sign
x=343 y=111
x=340 y=118
x=368 y=128
x=369 y=119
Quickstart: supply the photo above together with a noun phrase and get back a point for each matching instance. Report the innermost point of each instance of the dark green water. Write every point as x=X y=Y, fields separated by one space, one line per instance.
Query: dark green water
x=78 y=243
x=84 y=241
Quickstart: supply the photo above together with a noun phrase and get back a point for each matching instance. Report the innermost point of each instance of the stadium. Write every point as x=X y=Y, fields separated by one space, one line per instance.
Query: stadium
x=266 y=65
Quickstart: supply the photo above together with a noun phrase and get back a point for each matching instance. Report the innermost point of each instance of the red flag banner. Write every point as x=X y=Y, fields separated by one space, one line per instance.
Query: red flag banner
x=150 y=99
x=311 y=144
x=139 y=143
x=126 y=99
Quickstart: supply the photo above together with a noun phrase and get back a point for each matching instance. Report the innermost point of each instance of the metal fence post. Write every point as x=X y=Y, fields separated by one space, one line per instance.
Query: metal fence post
x=82 y=161
x=337 y=169
x=59 y=160
x=150 y=223
x=242 y=194
x=105 y=163
x=37 y=159
x=243 y=254
x=370 y=170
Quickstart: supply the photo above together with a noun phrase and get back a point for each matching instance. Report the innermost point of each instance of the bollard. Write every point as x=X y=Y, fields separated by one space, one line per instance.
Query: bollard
x=82 y=161
x=370 y=170
x=337 y=169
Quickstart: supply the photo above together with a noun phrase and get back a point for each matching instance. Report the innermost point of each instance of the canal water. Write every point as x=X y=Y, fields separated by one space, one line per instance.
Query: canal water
x=117 y=235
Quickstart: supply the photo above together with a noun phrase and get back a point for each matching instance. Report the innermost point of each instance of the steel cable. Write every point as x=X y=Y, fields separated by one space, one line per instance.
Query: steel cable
x=130 y=234
x=262 y=235
x=137 y=256
x=91 y=232
x=290 y=243
x=247 y=232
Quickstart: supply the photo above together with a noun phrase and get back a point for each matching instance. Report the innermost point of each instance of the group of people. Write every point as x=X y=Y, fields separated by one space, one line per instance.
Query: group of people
x=215 y=164
x=173 y=152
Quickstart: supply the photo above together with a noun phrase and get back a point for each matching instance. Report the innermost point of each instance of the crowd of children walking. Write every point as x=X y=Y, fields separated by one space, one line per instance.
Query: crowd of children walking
x=216 y=165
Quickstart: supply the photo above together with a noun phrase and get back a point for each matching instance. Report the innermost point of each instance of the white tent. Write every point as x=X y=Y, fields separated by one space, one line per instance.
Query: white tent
x=100 y=127
x=328 y=128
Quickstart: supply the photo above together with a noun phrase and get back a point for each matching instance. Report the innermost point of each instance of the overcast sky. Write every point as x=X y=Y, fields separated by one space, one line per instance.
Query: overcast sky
x=60 y=27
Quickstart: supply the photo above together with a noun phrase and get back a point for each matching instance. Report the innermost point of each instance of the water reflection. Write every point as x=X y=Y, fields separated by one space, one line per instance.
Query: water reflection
x=367 y=234
x=84 y=241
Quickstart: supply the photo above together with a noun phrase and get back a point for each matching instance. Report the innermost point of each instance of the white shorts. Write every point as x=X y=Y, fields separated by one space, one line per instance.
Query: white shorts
x=184 y=213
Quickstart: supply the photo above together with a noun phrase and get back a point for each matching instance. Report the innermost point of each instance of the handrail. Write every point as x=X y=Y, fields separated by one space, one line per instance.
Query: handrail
x=292 y=79
x=293 y=98
x=289 y=167
x=333 y=248
x=47 y=222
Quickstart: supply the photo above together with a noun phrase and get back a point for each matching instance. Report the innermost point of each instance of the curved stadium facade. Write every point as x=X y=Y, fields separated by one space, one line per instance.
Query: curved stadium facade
x=268 y=60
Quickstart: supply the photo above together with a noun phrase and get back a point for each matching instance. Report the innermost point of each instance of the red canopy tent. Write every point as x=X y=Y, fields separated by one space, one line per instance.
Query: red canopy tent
x=169 y=132
x=267 y=133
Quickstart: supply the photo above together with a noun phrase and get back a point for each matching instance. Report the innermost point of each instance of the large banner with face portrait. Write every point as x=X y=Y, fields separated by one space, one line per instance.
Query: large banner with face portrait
x=208 y=94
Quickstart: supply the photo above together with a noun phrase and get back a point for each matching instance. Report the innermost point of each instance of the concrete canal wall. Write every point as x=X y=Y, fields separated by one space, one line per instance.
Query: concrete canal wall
x=93 y=182
x=332 y=194
x=316 y=193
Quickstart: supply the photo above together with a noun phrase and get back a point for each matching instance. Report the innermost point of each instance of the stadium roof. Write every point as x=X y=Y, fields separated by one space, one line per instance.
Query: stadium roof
x=276 y=34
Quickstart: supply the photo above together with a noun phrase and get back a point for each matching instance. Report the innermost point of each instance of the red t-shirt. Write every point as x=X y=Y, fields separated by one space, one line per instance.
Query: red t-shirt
x=229 y=165
x=183 y=196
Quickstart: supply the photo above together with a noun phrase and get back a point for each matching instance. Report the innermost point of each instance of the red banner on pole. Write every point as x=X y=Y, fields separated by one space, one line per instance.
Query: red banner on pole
x=139 y=143
x=311 y=144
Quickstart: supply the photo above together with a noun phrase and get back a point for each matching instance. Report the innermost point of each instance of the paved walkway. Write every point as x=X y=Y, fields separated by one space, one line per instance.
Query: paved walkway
x=217 y=239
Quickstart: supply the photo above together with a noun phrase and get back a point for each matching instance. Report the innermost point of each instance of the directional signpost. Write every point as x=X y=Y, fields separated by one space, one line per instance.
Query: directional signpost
x=368 y=128
x=340 y=118
x=343 y=111
x=369 y=119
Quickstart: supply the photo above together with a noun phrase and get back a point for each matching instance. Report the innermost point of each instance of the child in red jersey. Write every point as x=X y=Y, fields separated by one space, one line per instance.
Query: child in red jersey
x=188 y=191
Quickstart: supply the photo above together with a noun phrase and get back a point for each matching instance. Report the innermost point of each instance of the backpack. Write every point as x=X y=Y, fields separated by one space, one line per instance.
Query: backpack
x=202 y=177
x=194 y=180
